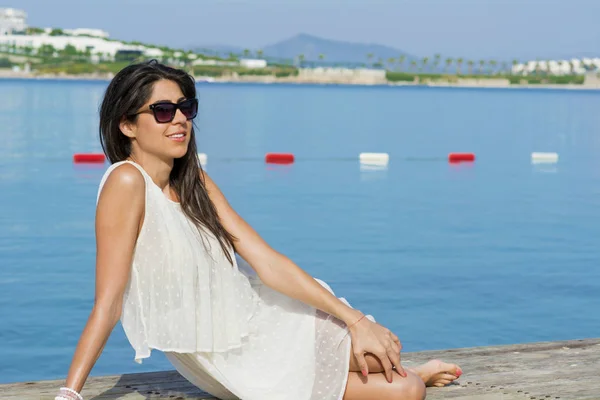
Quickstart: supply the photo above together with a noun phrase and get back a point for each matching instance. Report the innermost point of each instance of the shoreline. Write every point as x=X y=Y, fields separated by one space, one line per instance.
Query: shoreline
x=465 y=84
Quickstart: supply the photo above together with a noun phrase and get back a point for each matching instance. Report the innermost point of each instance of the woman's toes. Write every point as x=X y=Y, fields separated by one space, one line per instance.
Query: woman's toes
x=451 y=369
x=448 y=377
x=456 y=370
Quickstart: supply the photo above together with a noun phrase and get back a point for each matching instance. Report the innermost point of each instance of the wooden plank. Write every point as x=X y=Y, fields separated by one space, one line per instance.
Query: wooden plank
x=537 y=371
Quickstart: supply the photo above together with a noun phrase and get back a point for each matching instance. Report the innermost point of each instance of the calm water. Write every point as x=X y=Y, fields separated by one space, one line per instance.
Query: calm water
x=500 y=251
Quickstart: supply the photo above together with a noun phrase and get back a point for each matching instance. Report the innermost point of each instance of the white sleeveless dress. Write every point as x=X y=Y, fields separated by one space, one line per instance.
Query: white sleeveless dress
x=219 y=326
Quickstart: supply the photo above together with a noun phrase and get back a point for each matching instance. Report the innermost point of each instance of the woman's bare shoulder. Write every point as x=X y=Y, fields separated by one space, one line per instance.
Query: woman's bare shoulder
x=125 y=182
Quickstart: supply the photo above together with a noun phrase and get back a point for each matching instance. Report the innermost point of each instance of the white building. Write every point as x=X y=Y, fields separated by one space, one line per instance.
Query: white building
x=558 y=67
x=250 y=63
x=99 y=33
x=12 y=20
x=99 y=47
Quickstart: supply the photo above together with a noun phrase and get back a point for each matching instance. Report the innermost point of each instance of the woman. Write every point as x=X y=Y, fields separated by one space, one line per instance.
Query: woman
x=188 y=276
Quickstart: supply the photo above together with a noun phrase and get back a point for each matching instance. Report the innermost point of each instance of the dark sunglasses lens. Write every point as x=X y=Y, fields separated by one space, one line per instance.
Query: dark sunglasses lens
x=164 y=112
x=189 y=108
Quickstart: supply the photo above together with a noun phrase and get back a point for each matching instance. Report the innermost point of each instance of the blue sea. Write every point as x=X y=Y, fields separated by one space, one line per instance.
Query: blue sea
x=446 y=255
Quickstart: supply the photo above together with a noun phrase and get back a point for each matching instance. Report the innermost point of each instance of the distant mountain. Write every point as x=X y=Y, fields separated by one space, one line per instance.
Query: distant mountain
x=334 y=51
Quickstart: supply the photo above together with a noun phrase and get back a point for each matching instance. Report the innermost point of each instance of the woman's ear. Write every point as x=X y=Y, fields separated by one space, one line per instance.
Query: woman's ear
x=127 y=127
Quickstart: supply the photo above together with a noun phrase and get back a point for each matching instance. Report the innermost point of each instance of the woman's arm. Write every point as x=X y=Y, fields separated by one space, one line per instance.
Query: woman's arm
x=273 y=268
x=118 y=217
x=281 y=274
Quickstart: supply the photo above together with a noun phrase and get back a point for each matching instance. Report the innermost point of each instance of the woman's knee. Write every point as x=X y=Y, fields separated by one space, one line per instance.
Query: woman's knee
x=412 y=387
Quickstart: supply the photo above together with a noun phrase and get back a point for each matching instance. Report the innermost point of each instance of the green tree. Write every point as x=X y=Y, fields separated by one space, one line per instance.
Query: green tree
x=70 y=51
x=259 y=53
x=470 y=63
x=391 y=61
x=424 y=62
x=459 y=63
x=46 y=50
x=57 y=32
x=401 y=60
x=449 y=62
x=437 y=58
x=481 y=64
x=246 y=53
x=515 y=62
x=370 y=57
x=33 y=31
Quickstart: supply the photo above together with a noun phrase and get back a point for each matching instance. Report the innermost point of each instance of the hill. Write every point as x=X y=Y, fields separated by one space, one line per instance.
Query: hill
x=311 y=47
x=333 y=50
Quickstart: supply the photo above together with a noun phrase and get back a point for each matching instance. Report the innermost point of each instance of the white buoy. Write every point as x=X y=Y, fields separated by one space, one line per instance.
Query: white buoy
x=537 y=158
x=203 y=158
x=374 y=158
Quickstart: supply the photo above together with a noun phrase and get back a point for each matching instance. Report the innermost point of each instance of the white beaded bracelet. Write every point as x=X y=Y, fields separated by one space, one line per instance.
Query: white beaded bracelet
x=70 y=393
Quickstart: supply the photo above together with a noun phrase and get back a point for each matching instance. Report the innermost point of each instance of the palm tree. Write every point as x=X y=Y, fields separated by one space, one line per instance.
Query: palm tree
x=481 y=64
x=515 y=62
x=259 y=53
x=493 y=64
x=458 y=65
x=401 y=60
x=246 y=52
x=370 y=57
x=321 y=57
x=413 y=64
x=436 y=60
x=424 y=61
x=391 y=61
x=448 y=64
x=470 y=63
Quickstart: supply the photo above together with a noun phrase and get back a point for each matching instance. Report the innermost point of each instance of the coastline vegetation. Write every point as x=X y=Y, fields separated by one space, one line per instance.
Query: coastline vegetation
x=69 y=61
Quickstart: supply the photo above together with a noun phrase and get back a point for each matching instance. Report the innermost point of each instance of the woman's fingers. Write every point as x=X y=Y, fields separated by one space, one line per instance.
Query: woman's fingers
x=361 y=361
x=387 y=365
x=394 y=355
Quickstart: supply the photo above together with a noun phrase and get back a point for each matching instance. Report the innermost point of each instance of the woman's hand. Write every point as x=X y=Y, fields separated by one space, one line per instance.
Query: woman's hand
x=370 y=337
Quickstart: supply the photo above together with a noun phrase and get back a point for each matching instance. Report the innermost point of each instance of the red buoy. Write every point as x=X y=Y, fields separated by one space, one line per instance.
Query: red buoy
x=89 y=158
x=460 y=157
x=279 y=158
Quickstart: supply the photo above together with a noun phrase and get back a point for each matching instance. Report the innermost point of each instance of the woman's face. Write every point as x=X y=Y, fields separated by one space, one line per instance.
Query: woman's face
x=166 y=140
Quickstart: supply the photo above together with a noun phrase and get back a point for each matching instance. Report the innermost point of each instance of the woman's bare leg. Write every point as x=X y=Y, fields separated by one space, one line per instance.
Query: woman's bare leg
x=375 y=386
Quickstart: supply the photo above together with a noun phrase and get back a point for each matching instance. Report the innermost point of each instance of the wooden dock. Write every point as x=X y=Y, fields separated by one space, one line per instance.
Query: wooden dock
x=567 y=370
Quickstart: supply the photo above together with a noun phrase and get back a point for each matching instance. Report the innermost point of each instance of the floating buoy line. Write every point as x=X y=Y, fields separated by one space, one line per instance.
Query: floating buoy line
x=367 y=159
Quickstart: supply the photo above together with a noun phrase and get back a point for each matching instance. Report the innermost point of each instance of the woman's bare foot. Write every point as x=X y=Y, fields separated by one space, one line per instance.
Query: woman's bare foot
x=437 y=373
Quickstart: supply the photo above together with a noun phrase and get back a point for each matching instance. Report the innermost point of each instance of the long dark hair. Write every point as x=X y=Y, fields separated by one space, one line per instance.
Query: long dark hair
x=129 y=90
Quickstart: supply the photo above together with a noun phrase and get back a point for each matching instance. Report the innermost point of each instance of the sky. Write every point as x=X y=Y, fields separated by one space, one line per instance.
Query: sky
x=500 y=29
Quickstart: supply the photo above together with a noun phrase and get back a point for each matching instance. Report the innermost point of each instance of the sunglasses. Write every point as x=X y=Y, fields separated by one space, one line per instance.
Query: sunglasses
x=164 y=112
